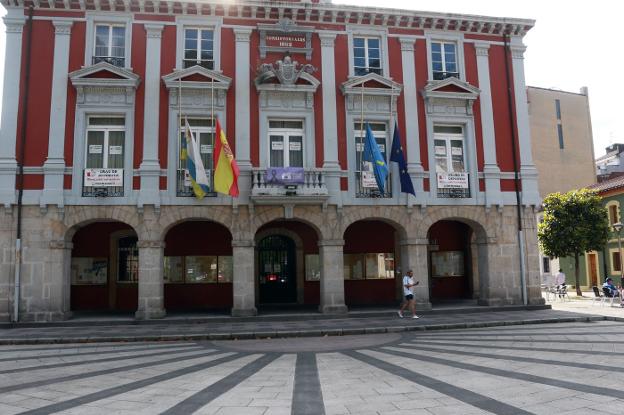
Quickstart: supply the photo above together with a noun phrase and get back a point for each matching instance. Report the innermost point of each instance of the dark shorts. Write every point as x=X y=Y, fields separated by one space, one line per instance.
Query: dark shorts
x=409 y=297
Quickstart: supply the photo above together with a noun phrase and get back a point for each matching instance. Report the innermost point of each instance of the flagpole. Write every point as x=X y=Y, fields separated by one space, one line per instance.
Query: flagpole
x=214 y=126
x=362 y=135
x=180 y=127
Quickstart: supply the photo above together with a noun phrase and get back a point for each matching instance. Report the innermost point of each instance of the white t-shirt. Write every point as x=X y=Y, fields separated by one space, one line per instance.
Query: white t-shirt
x=408 y=280
x=560 y=278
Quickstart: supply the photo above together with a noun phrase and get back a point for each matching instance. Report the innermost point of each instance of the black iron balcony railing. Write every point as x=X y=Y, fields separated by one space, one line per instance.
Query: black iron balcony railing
x=184 y=188
x=113 y=60
x=371 y=192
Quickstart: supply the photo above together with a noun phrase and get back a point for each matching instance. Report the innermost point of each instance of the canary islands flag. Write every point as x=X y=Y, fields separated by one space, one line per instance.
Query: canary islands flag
x=225 y=168
x=194 y=164
x=373 y=154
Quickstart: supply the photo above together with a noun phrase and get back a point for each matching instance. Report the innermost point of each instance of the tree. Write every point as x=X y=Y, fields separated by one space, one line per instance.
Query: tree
x=574 y=223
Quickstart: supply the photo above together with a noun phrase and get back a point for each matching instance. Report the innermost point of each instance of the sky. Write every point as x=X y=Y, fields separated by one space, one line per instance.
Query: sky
x=564 y=49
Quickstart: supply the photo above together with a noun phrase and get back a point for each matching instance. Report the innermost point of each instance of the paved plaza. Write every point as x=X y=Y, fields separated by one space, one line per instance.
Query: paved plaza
x=564 y=368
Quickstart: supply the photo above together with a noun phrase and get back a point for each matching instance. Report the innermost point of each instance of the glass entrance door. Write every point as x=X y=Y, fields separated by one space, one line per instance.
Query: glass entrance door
x=276 y=270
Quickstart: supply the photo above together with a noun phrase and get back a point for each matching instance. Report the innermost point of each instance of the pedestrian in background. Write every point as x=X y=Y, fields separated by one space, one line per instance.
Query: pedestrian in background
x=408 y=293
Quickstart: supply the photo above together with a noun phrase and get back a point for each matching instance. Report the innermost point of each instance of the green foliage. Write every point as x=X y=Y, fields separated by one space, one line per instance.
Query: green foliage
x=574 y=223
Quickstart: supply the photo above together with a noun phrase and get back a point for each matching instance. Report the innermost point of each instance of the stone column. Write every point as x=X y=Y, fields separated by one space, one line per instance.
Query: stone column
x=58 y=278
x=151 y=280
x=332 y=277
x=54 y=166
x=491 y=171
x=331 y=165
x=528 y=172
x=243 y=287
x=496 y=277
x=150 y=166
x=412 y=136
x=242 y=87
x=414 y=256
x=10 y=105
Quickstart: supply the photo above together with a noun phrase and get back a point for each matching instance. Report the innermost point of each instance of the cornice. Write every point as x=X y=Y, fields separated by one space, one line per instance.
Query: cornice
x=303 y=12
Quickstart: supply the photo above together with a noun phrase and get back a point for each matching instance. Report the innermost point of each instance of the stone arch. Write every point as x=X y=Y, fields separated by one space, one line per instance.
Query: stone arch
x=306 y=215
x=217 y=214
x=392 y=218
x=475 y=218
x=80 y=216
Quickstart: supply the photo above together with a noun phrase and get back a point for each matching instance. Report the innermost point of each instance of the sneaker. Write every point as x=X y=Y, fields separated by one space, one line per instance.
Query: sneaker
x=415 y=317
x=400 y=314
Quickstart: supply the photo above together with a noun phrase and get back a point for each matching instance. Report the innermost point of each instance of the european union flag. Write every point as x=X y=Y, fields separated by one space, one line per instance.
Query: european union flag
x=398 y=157
x=373 y=154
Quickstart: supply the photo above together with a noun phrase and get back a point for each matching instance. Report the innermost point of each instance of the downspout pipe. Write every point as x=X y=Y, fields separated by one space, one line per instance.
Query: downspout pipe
x=514 y=141
x=20 y=171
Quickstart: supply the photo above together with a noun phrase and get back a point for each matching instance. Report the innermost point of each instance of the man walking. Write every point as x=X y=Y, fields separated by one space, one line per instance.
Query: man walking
x=408 y=292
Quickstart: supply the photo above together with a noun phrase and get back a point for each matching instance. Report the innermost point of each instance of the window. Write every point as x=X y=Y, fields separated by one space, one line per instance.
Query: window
x=89 y=270
x=558 y=108
x=198 y=48
x=615 y=261
x=546 y=265
x=366 y=186
x=366 y=55
x=312 y=267
x=198 y=269
x=613 y=214
x=370 y=266
x=444 y=60
x=285 y=143
x=450 y=161
x=110 y=44
x=559 y=125
x=203 y=131
x=104 y=159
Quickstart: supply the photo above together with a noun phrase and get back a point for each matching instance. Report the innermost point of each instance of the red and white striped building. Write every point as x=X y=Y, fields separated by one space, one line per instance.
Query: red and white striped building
x=92 y=184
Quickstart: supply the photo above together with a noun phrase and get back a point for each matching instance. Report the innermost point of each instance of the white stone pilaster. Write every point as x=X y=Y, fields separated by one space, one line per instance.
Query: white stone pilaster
x=243 y=110
x=10 y=106
x=414 y=256
x=528 y=172
x=330 y=123
x=243 y=284
x=332 y=277
x=491 y=171
x=149 y=169
x=54 y=166
x=412 y=136
x=59 y=278
x=151 y=280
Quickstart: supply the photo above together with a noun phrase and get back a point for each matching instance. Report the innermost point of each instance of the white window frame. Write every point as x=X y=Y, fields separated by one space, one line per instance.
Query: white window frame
x=448 y=138
x=443 y=45
x=444 y=37
x=93 y=19
x=107 y=129
x=198 y=49
x=368 y=32
x=109 y=46
x=213 y=23
x=612 y=270
x=196 y=130
x=286 y=133
x=608 y=207
x=367 y=66
x=385 y=134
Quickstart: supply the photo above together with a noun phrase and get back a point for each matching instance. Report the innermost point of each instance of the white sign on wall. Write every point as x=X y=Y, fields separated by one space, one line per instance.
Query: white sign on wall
x=453 y=180
x=95 y=149
x=115 y=150
x=103 y=177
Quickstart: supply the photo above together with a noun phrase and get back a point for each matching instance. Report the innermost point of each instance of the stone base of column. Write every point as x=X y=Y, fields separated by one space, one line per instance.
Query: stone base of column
x=150 y=314
x=248 y=312
x=333 y=309
x=493 y=302
x=44 y=317
x=424 y=305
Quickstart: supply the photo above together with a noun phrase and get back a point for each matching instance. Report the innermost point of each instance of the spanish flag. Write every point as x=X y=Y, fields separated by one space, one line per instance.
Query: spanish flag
x=225 y=168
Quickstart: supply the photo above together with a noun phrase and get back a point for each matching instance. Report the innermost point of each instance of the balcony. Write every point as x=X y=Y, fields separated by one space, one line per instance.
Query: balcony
x=371 y=191
x=102 y=183
x=183 y=184
x=453 y=185
x=439 y=76
x=279 y=185
x=113 y=60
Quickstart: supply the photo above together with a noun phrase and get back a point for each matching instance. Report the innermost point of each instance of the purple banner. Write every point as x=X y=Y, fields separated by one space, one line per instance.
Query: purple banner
x=285 y=175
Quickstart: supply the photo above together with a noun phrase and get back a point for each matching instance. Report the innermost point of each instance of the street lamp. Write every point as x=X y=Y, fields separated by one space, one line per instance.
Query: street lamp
x=618 y=228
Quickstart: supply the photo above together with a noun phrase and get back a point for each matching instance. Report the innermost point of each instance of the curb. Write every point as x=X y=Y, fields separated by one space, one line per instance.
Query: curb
x=247 y=335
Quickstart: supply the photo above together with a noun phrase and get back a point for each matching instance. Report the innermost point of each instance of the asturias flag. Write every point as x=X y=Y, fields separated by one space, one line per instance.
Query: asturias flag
x=194 y=164
x=225 y=168
x=373 y=154
x=398 y=157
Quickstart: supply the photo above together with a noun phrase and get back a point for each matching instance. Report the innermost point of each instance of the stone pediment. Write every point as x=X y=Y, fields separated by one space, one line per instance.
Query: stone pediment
x=197 y=77
x=371 y=84
x=103 y=75
x=451 y=88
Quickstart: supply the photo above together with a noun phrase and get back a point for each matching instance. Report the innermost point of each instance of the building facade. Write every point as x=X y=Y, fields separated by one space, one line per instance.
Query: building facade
x=611 y=164
x=93 y=182
x=562 y=146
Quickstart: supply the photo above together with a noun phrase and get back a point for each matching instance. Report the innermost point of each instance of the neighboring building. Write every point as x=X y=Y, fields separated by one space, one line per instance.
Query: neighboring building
x=595 y=266
x=562 y=146
x=290 y=83
x=611 y=164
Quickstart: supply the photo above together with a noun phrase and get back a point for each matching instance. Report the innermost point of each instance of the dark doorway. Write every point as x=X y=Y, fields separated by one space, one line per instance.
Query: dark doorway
x=276 y=270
